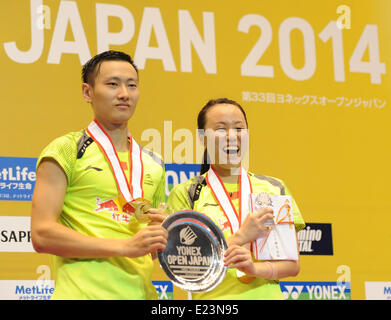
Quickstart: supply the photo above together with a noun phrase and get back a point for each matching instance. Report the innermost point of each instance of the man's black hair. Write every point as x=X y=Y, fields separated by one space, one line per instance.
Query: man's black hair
x=91 y=67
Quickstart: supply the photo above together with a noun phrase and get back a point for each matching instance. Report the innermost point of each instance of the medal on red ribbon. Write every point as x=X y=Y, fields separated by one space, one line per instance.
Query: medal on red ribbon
x=133 y=192
x=234 y=217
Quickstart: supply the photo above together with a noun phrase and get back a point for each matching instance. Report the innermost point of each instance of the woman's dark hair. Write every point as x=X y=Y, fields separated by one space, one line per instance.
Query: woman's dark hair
x=91 y=67
x=201 y=121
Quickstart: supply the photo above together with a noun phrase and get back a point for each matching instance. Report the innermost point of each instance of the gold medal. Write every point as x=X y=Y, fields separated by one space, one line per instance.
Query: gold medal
x=141 y=208
x=242 y=277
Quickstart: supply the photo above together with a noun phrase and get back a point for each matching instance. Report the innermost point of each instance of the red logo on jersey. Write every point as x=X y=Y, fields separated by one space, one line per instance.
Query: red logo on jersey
x=108 y=205
x=112 y=207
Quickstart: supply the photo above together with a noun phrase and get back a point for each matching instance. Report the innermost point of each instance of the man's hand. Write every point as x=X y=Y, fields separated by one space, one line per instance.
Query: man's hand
x=149 y=239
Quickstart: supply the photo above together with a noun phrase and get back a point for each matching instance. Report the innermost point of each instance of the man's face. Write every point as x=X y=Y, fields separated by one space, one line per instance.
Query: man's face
x=115 y=92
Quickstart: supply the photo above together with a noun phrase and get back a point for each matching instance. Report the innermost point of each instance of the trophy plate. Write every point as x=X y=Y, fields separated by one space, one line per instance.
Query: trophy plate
x=194 y=255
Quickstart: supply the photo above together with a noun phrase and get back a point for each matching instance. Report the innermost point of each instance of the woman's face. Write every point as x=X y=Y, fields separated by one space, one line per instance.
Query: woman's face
x=226 y=135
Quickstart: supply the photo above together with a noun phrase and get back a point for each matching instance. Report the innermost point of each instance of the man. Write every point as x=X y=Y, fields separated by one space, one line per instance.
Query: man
x=82 y=211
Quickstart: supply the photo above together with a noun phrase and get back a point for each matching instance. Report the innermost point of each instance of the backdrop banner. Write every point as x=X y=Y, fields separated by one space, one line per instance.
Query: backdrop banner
x=313 y=77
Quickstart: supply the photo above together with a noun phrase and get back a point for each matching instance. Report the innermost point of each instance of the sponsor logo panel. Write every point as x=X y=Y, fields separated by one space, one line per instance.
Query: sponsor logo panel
x=316 y=239
x=297 y=290
x=17 y=178
x=165 y=290
x=15 y=234
x=377 y=290
x=26 y=289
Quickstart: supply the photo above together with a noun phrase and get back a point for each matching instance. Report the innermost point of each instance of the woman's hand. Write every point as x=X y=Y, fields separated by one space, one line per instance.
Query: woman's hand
x=253 y=227
x=156 y=216
x=240 y=258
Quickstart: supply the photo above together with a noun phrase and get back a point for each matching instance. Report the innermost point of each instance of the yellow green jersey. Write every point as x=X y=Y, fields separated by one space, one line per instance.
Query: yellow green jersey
x=195 y=194
x=93 y=206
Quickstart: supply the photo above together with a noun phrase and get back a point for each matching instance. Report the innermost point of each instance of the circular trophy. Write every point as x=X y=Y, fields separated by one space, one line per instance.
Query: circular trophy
x=193 y=258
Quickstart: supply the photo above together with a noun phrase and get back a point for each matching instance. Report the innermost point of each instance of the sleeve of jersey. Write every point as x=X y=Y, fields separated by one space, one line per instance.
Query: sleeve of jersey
x=63 y=150
x=299 y=222
x=178 y=199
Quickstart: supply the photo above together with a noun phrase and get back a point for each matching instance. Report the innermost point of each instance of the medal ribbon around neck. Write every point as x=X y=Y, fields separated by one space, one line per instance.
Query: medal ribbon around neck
x=128 y=192
x=220 y=194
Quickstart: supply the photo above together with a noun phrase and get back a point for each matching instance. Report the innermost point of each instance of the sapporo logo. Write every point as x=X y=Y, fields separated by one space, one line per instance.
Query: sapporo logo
x=187 y=236
x=15 y=234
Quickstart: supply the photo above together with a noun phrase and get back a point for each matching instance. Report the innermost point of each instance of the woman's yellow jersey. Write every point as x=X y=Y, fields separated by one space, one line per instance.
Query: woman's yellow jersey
x=195 y=194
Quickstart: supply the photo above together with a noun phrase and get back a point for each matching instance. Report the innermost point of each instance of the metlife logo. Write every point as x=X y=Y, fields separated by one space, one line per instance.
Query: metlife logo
x=316 y=290
x=17 y=178
x=26 y=289
x=377 y=290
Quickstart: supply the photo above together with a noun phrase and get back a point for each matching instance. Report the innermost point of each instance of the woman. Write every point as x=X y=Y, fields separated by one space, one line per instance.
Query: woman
x=221 y=192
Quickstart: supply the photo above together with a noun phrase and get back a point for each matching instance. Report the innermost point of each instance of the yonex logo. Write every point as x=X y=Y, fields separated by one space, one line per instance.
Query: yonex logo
x=187 y=236
x=316 y=290
x=292 y=292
